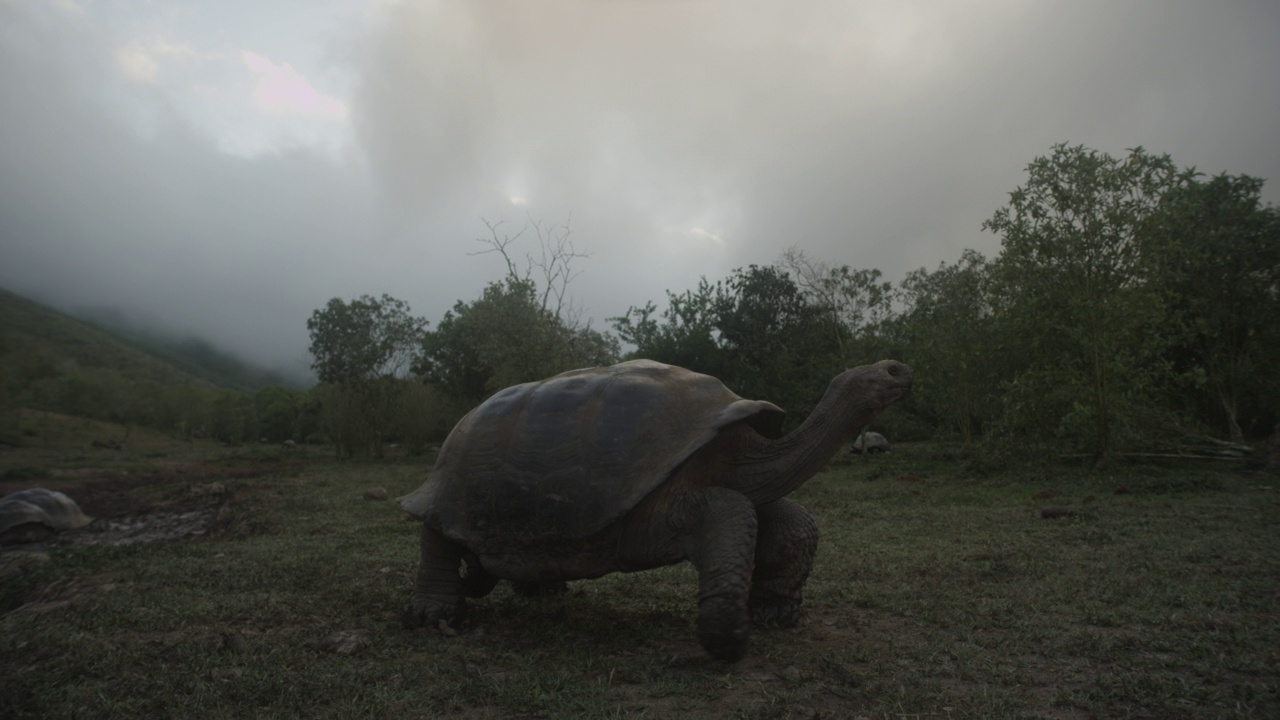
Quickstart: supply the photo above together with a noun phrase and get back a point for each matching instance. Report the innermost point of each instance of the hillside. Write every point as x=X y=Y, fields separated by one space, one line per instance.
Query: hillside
x=108 y=340
x=32 y=330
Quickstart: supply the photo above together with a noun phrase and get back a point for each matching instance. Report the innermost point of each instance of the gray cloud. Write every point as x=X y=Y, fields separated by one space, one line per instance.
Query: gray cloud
x=686 y=139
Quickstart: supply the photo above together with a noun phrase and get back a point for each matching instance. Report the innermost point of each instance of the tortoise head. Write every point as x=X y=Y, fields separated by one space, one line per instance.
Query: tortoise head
x=876 y=386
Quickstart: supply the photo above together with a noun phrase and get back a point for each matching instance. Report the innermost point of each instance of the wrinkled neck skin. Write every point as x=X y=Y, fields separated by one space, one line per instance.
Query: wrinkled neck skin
x=775 y=468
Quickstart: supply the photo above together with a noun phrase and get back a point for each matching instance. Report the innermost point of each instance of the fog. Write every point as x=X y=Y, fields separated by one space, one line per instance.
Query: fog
x=222 y=171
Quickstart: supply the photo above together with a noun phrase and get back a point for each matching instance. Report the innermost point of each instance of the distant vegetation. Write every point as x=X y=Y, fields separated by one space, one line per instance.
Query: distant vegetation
x=52 y=362
x=1134 y=307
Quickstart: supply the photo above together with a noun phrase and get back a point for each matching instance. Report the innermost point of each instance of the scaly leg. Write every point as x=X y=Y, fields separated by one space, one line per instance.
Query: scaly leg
x=721 y=545
x=438 y=590
x=785 y=547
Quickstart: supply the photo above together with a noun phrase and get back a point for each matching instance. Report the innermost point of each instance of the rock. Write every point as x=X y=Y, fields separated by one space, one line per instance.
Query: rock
x=347 y=642
x=376 y=492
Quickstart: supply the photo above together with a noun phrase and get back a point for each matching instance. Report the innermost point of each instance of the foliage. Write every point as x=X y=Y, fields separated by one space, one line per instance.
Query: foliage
x=522 y=328
x=687 y=337
x=422 y=416
x=232 y=419
x=503 y=338
x=1218 y=266
x=364 y=339
x=775 y=340
x=361 y=349
x=757 y=331
x=857 y=302
x=279 y=413
x=1070 y=287
x=946 y=331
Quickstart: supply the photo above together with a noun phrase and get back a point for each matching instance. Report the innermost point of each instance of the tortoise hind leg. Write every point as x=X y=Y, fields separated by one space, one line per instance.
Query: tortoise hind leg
x=438 y=590
x=785 y=547
x=476 y=581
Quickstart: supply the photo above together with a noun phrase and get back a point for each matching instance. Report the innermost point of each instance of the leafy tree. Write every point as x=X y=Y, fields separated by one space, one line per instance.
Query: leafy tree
x=1219 y=269
x=359 y=348
x=232 y=418
x=776 y=340
x=855 y=301
x=363 y=339
x=688 y=335
x=1070 y=284
x=277 y=409
x=23 y=363
x=947 y=333
x=503 y=338
x=757 y=331
x=522 y=328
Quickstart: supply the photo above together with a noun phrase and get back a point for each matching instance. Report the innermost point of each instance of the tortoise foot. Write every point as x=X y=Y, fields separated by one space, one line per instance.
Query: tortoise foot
x=724 y=630
x=781 y=616
x=430 y=614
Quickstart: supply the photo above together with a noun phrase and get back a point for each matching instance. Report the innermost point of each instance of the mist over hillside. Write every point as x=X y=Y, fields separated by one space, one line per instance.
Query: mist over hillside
x=196 y=354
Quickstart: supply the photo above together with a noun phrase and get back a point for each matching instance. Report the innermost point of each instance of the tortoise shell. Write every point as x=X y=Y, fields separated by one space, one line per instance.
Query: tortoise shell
x=36 y=514
x=564 y=458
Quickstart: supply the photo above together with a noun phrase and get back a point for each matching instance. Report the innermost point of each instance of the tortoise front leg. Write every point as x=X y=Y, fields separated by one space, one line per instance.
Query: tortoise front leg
x=721 y=544
x=437 y=592
x=785 y=547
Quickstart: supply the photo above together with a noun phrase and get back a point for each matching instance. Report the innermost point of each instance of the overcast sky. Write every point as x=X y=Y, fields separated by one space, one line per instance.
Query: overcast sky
x=223 y=168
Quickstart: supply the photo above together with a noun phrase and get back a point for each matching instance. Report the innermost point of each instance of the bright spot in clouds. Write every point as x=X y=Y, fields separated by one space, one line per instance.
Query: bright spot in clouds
x=136 y=65
x=280 y=89
x=517 y=200
x=697 y=233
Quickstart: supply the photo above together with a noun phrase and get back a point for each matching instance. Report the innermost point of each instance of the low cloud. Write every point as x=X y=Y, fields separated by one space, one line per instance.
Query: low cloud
x=226 y=190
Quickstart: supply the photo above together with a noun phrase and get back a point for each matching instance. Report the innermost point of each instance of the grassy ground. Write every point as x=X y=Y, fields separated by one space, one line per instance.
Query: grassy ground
x=935 y=595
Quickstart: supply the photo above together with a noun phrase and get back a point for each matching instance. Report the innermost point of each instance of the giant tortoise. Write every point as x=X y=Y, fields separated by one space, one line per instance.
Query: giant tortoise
x=630 y=467
x=36 y=515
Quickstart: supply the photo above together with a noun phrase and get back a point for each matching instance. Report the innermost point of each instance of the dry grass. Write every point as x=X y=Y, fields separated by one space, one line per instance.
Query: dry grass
x=935 y=596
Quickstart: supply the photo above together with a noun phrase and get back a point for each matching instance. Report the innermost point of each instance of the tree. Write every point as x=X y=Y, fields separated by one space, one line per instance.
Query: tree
x=359 y=348
x=363 y=339
x=232 y=418
x=947 y=333
x=856 y=302
x=687 y=337
x=776 y=340
x=503 y=338
x=277 y=410
x=756 y=330
x=522 y=328
x=1072 y=284
x=1219 y=269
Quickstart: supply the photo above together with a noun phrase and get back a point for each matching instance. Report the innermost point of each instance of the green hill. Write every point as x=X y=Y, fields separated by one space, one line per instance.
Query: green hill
x=41 y=341
x=54 y=363
x=107 y=339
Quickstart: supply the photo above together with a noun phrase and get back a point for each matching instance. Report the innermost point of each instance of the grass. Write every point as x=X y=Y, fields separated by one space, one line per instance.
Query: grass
x=935 y=595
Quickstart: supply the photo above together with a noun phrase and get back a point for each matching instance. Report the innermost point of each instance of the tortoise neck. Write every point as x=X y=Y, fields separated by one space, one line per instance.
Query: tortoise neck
x=775 y=468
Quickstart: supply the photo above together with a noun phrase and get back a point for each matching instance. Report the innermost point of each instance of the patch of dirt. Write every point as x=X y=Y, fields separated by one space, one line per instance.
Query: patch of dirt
x=153 y=526
x=105 y=493
x=135 y=507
